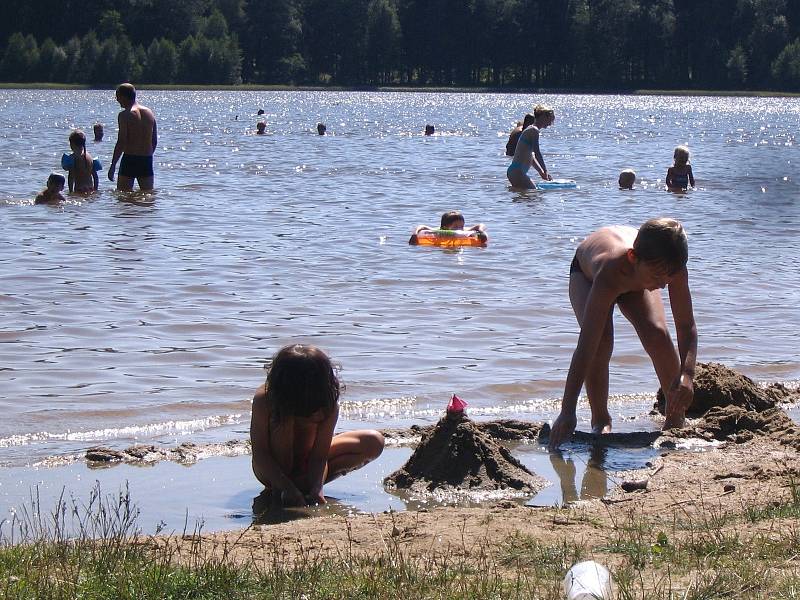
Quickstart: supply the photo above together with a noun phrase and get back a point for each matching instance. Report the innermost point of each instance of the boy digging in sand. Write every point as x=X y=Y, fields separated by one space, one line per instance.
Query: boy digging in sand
x=620 y=266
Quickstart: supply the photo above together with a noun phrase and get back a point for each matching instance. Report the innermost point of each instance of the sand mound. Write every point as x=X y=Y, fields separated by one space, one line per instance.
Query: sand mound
x=457 y=455
x=716 y=385
x=735 y=424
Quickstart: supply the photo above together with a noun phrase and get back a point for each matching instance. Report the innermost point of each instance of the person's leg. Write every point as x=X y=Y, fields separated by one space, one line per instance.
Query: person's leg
x=645 y=311
x=518 y=178
x=145 y=183
x=352 y=450
x=596 y=382
x=124 y=183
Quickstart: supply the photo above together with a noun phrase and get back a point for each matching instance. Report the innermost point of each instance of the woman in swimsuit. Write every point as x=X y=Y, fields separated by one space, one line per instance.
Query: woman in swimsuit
x=679 y=175
x=527 y=153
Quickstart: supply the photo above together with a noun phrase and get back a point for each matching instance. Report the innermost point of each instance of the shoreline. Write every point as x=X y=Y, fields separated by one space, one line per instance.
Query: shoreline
x=418 y=89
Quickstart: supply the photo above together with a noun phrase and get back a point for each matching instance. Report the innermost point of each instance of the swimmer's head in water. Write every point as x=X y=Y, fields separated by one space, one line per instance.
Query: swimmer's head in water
x=301 y=381
x=662 y=242
x=261 y=126
x=98 y=132
x=452 y=219
x=430 y=130
x=544 y=115
x=56 y=182
x=681 y=156
x=77 y=141
x=321 y=128
x=126 y=94
x=626 y=179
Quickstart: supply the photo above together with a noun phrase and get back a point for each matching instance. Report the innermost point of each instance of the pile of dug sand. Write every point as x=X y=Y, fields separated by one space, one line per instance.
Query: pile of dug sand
x=458 y=458
x=715 y=385
x=735 y=424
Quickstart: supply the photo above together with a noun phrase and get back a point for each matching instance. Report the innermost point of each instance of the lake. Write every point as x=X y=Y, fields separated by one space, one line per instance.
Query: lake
x=148 y=318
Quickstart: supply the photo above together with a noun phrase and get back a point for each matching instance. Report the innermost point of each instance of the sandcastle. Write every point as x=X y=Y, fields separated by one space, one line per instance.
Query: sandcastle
x=458 y=458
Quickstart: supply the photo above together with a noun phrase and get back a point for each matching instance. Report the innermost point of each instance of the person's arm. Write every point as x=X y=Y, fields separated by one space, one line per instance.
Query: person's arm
x=668 y=178
x=414 y=240
x=681 y=392
x=95 y=180
x=265 y=467
x=70 y=180
x=122 y=140
x=691 y=175
x=537 y=158
x=595 y=317
x=318 y=457
x=155 y=134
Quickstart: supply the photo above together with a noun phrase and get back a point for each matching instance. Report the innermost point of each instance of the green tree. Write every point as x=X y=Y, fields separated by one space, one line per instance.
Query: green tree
x=162 y=62
x=110 y=25
x=274 y=41
x=786 y=68
x=52 y=62
x=21 y=59
x=383 y=38
x=737 y=67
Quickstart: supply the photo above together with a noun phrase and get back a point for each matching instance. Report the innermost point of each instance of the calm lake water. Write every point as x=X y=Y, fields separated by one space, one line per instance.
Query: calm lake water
x=147 y=319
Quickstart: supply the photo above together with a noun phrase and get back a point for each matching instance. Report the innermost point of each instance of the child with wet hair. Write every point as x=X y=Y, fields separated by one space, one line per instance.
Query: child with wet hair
x=81 y=167
x=626 y=179
x=52 y=193
x=620 y=266
x=679 y=175
x=295 y=451
x=452 y=220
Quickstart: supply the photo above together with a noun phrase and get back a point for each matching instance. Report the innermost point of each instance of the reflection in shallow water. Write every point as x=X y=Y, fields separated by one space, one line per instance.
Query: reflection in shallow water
x=594 y=483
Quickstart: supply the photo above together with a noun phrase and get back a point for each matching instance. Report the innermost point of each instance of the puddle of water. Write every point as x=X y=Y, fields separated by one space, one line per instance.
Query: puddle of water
x=220 y=493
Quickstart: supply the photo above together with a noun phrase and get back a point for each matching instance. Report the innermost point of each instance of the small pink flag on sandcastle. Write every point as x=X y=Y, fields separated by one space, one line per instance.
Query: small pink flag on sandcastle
x=457 y=405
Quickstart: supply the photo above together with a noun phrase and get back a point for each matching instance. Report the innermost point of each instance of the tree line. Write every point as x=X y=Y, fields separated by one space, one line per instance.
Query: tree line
x=570 y=44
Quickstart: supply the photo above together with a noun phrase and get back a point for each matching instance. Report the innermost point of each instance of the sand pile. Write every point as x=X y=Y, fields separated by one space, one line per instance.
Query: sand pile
x=716 y=385
x=457 y=456
x=735 y=424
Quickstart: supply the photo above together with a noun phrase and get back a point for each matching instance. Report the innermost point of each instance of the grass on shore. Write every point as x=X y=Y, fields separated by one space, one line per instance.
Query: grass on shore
x=92 y=551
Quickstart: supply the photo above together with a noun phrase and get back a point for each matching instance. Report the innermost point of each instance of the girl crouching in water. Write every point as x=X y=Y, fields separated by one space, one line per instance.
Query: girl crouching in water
x=295 y=451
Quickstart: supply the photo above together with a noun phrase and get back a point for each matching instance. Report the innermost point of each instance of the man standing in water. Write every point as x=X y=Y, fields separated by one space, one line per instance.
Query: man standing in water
x=136 y=142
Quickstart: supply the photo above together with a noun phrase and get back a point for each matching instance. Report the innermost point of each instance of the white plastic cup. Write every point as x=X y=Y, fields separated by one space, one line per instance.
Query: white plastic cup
x=587 y=580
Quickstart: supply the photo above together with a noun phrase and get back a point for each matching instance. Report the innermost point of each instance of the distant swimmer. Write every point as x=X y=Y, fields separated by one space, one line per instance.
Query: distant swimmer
x=620 y=266
x=260 y=112
x=52 y=193
x=452 y=221
x=295 y=450
x=626 y=179
x=321 y=128
x=81 y=167
x=679 y=175
x=430 y=130
x=98 y=132
x=261 y=128
x=527 y=153
x=513 y=137
x=136 y=142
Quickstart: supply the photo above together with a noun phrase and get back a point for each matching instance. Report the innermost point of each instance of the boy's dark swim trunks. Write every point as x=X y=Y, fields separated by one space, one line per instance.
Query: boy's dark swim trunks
x=133 y=165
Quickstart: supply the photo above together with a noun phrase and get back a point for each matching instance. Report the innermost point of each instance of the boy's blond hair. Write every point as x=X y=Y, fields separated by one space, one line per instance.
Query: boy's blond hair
x=662 y=241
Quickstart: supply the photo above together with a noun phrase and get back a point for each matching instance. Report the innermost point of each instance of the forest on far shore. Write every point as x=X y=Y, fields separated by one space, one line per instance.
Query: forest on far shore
x=563 y=44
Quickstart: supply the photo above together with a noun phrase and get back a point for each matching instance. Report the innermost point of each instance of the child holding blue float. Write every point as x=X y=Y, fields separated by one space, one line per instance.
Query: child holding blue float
x=452 y=232
x=679 y=176
x=81 y=167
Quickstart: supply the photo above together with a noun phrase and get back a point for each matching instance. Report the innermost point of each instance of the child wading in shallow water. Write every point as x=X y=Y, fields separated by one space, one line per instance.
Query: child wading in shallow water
x=52 y=193
x=679 y=175
x=80 y=165
x=294 y=415
x=628 y=268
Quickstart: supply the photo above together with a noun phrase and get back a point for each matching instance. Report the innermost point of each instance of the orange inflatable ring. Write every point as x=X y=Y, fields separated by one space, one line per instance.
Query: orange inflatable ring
x=450 y=238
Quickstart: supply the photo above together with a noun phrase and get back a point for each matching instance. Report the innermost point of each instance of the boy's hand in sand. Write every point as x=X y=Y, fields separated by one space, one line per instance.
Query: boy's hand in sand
x=679 y=397
x=561 y=429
